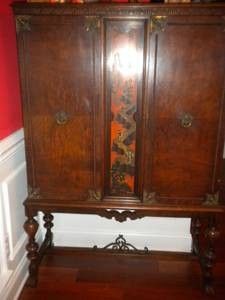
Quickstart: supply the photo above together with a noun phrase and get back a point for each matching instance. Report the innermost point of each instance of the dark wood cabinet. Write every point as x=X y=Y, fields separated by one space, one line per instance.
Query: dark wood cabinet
x=61 y=66
x=124 y=115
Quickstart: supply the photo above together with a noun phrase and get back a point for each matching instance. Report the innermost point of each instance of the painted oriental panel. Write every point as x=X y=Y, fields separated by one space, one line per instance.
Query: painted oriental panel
x=124 y=52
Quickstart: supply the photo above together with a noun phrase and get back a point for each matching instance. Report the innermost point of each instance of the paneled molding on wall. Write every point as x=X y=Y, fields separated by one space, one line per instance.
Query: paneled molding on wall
x=13 y=191
x=156 y=233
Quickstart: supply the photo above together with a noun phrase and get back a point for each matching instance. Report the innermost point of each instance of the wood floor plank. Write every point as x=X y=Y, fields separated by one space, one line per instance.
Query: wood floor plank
x=65 y=276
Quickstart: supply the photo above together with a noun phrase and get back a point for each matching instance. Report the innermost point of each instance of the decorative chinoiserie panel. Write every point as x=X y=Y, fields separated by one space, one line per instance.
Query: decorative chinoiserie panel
x=185 y=93
x=60 y=69
x=124 y=53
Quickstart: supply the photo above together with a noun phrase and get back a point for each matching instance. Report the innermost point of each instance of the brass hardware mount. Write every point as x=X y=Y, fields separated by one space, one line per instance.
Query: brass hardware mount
x=149 y=197
x=186 y=120
x=94 y=195
x=34 y=193
x=23 y=23
x=158 y=23
x=92 y=23
x=61 y=117
x=211 y=199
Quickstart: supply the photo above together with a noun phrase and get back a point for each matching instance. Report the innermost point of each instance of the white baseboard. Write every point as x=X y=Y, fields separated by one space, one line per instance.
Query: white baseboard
x=140 y=241
x=13 y=191
x=163 y=234
x=16 y=281
x=12 y=289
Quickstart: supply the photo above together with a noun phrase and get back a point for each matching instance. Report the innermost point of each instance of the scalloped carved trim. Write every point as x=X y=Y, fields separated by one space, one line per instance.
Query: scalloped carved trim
x=120 y=216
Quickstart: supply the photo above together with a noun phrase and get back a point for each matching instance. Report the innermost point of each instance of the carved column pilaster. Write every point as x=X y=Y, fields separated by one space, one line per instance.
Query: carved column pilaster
x=208 y=258
x=31 y=227
x=48 y=224
x=195 y=231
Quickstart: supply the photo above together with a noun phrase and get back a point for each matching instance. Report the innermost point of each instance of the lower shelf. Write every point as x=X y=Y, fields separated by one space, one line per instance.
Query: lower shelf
x=205 y=252
x=68 y=273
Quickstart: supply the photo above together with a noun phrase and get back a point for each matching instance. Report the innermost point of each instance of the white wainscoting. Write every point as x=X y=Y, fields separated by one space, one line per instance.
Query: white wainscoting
x=13 y=191
x=169 y=234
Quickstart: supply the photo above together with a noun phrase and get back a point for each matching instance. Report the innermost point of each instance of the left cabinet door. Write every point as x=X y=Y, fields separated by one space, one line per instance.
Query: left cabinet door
x=59 y=63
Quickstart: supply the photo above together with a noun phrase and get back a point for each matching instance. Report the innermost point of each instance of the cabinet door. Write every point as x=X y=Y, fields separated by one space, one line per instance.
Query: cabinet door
x=59 y=58
x=185 y=105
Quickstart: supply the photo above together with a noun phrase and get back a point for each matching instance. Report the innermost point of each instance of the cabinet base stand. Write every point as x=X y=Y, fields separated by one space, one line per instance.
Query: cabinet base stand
x=33 y=254
x=203 y=246
x=206 y=254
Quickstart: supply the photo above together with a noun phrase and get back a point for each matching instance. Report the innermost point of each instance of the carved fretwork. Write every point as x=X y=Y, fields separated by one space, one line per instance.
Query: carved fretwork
x=94 y=195
x=120 y=216
x=23 y=23
x=211 y=199
x=92 y=23
x=34 y=193
x=149 y=197
x=158 y=23
x=121 y=245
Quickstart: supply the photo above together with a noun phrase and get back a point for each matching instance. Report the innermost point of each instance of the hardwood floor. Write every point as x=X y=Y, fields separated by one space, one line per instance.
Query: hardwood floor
x=67 y=274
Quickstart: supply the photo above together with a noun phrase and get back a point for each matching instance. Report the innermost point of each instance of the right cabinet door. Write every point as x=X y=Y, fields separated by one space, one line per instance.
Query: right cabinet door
x=184 y=104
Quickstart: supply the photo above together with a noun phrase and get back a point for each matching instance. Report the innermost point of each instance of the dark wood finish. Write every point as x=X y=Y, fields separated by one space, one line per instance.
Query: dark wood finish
x=55 y=69
x=196 y=232
x=133 y=92
x=31 y=227
x=80 y=275
x=205 y=249
x=48 y=218
x=208 y=258
x=181 y=85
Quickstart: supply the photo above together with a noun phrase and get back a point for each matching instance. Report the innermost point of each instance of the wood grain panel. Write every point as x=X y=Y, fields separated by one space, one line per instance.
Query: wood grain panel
x=187 y=65
x=62 y=77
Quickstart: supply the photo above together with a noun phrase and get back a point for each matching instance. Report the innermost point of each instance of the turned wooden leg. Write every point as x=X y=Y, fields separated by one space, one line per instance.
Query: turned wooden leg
x=31 y=227
x=48 y=224
x=208 y=258
x=195 y=231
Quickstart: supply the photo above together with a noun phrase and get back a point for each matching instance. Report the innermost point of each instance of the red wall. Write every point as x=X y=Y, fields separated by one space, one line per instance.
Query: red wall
x=10 y=108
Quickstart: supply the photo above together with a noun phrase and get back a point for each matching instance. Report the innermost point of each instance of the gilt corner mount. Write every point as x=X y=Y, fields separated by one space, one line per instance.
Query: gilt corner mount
x=23 y=23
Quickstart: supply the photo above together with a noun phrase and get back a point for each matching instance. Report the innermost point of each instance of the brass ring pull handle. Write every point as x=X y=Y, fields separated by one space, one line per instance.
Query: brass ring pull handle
x=61 y=117
x=186 y=120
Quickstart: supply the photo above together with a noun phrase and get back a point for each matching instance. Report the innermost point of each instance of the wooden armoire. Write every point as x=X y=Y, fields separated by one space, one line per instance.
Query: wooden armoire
x=124 y=117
